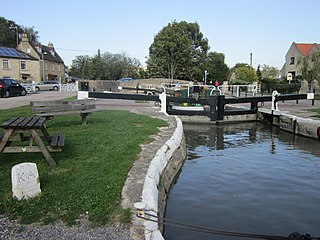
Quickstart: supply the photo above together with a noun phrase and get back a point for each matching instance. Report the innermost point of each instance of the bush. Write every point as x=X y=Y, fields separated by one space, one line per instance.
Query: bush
x=286 y=88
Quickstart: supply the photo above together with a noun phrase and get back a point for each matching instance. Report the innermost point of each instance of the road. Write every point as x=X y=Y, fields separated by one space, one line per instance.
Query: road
x=12 y=102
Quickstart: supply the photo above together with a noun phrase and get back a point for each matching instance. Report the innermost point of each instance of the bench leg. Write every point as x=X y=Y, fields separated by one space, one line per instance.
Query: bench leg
x=42 y=147
x=84 y=119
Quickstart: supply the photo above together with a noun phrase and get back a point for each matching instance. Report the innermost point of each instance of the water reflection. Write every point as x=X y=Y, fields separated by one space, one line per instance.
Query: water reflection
x=247 y=177
x=225 y=136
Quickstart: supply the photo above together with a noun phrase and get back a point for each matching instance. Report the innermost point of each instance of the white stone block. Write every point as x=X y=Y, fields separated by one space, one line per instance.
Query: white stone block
x=25 y=181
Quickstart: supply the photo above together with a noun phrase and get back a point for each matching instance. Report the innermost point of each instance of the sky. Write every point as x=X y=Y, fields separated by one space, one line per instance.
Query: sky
x=265 y=28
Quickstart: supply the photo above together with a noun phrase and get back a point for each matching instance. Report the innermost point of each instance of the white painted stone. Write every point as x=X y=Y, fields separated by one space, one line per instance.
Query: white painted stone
x=25 y=181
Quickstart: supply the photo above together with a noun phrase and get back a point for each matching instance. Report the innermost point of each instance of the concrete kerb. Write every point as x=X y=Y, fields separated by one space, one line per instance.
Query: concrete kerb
x=143 y=179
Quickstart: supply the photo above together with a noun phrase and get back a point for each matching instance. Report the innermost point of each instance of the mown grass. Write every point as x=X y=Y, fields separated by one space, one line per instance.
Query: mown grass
x=317 y=111
x=91 y=171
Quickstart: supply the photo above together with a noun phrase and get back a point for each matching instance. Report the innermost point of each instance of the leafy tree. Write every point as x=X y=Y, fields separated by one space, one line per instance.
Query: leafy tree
x=105 y=66
x=248 y=75
x=178 y=51
x=8 y=33
x=269 y=72
x=80 y=67
x=215 y=65
x=315 y=59
x=259 y=74
x=309 y=66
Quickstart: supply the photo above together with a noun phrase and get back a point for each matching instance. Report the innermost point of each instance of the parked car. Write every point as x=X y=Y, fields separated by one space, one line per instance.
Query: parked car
x=47 y=85
x=10 y=87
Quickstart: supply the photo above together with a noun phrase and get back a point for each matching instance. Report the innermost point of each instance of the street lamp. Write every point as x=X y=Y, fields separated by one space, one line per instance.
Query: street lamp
x=42 y=55
x=17 y=29
x=205 y=77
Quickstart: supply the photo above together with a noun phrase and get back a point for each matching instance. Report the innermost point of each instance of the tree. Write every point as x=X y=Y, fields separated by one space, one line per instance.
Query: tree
x=215 y=65
x=310 y=66
x=105 y=66
x=80 y=67
x=259 y=74
x=178 y=51
x=269 y=72
x=8 y=33
x=245 y=74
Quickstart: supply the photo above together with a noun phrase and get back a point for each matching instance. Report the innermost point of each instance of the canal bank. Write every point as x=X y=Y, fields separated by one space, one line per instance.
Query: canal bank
x=153 y=173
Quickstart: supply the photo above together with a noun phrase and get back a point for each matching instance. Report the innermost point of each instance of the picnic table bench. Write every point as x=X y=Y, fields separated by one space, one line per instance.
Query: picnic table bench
x=31 y=135
x=49 y=109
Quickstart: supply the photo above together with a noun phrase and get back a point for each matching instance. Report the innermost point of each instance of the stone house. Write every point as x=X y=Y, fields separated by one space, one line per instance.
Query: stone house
x=31 y=63
x=296 y=51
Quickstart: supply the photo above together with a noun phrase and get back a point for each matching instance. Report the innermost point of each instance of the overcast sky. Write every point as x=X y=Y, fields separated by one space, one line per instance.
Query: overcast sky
x=265 y=28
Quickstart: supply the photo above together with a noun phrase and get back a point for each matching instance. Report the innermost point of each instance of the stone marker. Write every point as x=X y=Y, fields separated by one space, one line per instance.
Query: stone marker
x=25 y=181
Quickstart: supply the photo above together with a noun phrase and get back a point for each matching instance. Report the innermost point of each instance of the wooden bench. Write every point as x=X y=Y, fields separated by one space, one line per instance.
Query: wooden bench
x=49 y=109
x=57 y=141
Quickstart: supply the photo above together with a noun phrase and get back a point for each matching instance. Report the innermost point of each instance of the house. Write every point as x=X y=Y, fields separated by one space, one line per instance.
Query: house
x=18 y=65
x=31 y=62
x=296 y=51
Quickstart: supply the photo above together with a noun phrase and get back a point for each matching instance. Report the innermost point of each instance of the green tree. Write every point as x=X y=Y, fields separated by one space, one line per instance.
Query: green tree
x=245 y=74
x=315 y=59
x=178 y=51
x=80 y=67
x=105 y=66
x=269 y=72
x=215 y=65
x=259 y=74
x=8 y=33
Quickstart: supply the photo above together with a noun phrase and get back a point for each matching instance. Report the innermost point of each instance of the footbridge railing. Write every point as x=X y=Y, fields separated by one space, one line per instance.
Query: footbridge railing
x=213 y=107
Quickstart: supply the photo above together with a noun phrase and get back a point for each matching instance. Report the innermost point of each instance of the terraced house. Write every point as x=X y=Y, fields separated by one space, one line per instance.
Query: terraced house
x=31 y=62
x=297 y=50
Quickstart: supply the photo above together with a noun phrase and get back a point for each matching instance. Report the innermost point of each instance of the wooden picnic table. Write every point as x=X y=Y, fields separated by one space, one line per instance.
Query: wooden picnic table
x=31 y=135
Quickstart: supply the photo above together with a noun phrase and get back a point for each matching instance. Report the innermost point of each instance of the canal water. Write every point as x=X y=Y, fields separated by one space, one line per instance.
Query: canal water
x=248 y=178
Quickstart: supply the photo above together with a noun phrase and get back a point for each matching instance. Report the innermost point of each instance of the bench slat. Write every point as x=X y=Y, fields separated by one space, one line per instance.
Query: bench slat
x=62 y=108
x=57 y=140
x=62 y=102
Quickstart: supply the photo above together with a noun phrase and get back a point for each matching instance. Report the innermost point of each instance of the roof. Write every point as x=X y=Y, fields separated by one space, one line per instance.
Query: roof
x=14 y=53
x=49 y=56
x=304 y=48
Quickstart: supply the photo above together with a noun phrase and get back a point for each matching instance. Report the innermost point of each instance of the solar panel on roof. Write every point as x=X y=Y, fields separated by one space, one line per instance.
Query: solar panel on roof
x=12 y=52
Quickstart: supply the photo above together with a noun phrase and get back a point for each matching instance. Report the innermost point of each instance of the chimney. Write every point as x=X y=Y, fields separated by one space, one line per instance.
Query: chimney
x=25 y=38
x=51 y=49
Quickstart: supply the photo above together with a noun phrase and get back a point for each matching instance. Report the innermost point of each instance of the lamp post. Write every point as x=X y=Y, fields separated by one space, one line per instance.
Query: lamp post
x=17 y=29
x=42 y=55
x=205 y=77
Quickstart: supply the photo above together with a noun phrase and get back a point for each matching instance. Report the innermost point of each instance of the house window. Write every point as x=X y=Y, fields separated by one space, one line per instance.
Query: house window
x=59 y=68
x=5 y=64
x=52 y=67
x=292 y=61
x=46 y=66
x=23 y=65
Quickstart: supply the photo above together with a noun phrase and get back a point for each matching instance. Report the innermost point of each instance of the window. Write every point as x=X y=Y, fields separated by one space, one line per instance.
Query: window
x=52 y=67
x=5 y=64
x=23 y=65
x=59 y=68
x=292 y=61
x=46 y=66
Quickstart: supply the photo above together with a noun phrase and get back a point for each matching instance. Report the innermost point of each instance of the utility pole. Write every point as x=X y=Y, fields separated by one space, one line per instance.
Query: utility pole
x=251 y=60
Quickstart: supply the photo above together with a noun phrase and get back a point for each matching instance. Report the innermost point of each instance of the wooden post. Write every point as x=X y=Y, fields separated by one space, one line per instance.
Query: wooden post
x=221 y=104
x=213 y=100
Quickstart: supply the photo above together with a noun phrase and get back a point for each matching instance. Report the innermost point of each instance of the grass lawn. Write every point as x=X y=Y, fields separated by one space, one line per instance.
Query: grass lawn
x=91 y=171
x=316 y=111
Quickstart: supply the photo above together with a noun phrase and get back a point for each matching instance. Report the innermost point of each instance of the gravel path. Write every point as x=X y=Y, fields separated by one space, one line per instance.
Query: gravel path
x=82 y=231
